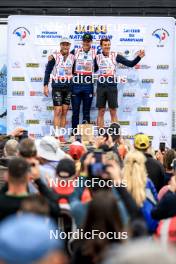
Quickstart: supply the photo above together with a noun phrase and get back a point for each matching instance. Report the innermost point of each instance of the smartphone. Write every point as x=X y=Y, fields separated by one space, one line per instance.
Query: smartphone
x=162 y=146
x=98 y=156
x=78 y=138
x=24 y=135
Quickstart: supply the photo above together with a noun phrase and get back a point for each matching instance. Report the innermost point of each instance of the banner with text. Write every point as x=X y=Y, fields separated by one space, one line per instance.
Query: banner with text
x=145 y=101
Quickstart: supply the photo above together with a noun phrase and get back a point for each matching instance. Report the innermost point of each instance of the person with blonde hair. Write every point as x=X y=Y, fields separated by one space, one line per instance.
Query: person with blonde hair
x=140 y=186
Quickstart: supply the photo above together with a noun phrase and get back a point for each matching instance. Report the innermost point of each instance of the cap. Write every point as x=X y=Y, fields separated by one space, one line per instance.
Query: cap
x=65 y=40
x=76 y=150
x=87 y=36
x=141 y=141
x=66 y=168
x=49 y=149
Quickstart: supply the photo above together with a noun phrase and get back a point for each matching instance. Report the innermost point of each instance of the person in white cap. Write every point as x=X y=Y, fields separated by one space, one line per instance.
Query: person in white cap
x=49 y=153
x=59 y=67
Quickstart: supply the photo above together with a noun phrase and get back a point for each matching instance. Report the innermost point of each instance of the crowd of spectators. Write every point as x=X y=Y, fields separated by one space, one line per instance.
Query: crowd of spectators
x=106 y=202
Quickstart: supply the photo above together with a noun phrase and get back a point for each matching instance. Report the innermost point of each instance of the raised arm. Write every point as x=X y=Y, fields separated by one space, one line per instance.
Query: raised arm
x=130 y=63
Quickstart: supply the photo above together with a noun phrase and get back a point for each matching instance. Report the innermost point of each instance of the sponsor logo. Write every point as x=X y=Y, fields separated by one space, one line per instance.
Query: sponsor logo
x=18 y=79
x=146 y=95
x=45 y=53
x=128 y=137
x=142 y=67
x=33 y=135
x=48 y=35
x=163 y=81
x=137 y=66
x=36 y=79
x=161 y=109
x=18 y=93
x=130 y=80
x=37 y=108
x=19 y=107
x=142 y=123
x=22 y=34
x=128 y=52
x=132 y=35
x=127 y=109
x=132 y=137
x=162 y=67
x=50 y=108
x=124 y=123
x=91 y=29
x=159 y=124
x=143 y=109
x=33 y=122
x=35 y=93
x=128 y=94
x=161 y=35
x=147 y=80
x=32 y=65
x=16 y=65
x=161 y=95
x=163 y=138
x=121 y=66
x=17 y=121
x=49 y=122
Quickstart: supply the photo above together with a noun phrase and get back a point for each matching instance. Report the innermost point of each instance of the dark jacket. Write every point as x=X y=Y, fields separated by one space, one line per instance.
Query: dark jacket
x=10 y=204
x=155 y=171
x=166 y=207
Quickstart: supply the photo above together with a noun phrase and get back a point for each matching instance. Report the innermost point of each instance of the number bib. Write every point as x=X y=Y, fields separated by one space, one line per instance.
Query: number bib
x=63 y=69
x=106 y=65
x=84 y=61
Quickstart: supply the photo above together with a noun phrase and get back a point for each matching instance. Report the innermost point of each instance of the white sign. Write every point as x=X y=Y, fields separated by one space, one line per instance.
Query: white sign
x=145 y=101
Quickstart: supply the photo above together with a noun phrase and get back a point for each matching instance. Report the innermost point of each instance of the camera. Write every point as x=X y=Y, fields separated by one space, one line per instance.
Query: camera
x=24 y=135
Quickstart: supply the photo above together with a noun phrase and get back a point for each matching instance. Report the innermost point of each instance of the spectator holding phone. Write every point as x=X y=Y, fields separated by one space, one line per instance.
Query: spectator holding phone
x=155 y=169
